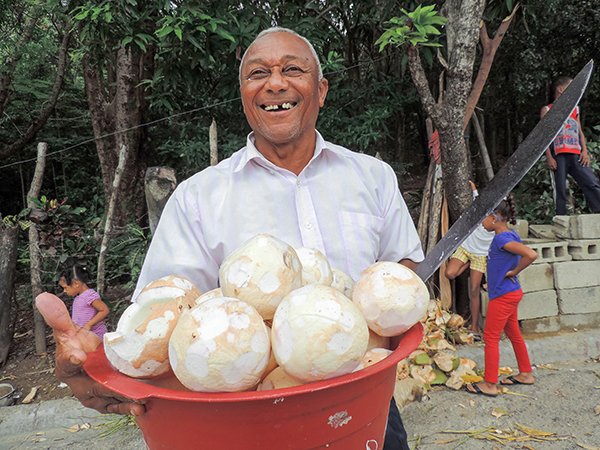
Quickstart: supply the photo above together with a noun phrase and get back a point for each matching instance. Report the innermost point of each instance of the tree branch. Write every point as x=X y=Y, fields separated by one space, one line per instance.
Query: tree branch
x=419 y=78
x=41 y=120
x=490 y=46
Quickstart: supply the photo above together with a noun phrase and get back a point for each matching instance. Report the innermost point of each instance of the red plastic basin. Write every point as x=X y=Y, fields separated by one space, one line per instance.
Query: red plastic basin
x=345 y=413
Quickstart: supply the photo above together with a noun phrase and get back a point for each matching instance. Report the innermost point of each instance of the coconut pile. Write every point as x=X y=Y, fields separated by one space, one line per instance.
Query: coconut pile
x=435 y=362
x=281 y=317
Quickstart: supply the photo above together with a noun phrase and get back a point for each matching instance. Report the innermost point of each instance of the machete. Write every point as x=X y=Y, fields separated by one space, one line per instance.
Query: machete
x=509 y=175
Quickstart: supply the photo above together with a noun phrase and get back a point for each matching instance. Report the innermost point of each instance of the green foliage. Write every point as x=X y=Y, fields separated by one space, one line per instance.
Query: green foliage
x=416 y=28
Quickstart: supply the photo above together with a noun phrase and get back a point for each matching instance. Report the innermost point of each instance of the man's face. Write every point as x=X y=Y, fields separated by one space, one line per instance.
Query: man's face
x=280 y=89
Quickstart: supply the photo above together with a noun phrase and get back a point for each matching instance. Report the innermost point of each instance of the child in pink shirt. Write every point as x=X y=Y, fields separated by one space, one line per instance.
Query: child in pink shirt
x=89 y=311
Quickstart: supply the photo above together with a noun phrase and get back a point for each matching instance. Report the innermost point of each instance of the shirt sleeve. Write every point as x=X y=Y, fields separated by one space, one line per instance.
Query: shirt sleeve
x=398 y=238
x=178 y=246
x=505 y=238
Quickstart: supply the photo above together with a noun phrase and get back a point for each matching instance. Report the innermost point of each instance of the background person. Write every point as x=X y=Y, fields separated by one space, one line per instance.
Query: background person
x=88 y=310
x=568 y=155
x=472 y=254
x=507 y=257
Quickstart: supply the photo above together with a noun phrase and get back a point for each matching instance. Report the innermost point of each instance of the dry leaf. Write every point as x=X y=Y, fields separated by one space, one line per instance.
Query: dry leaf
x=73 y=428
x=29 y=397
x=472 y=403
x=505 y=371
x=471 y=378
x=546 y=366
x=499 y=412
x=587 y=447
x=533 y=431
x=597 y=410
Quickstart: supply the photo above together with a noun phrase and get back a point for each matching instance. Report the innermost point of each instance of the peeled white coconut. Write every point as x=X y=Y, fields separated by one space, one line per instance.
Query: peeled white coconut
x=391 y=297
x=373 y=356
x=220 y=345
x=342 y=282
x=261 y=272
x=318 y=333
x=208 y=295
x=376 y=341
x=139 y=345
x=315 y=267
x=278 y=379
x=272 y=364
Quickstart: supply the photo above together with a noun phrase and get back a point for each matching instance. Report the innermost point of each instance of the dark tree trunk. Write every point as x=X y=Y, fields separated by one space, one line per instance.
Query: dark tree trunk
x=9 y=238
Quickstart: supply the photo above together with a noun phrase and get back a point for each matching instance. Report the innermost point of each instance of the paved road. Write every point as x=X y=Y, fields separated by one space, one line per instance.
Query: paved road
x=561 y=402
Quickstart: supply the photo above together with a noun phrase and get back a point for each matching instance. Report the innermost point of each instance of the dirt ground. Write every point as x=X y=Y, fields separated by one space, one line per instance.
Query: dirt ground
x=25 y=370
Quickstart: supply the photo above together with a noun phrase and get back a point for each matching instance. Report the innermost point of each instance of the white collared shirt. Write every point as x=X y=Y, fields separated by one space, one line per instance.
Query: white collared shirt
x=343 y=203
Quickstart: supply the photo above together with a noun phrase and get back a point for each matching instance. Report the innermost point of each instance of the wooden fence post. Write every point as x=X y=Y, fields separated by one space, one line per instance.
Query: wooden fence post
x=212 y=139
x=110 y=212
x=39 y=326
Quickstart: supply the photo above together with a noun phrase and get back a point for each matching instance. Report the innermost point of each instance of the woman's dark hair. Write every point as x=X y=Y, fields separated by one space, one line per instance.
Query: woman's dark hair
x=560 y=81
x=507 y=209
x=75 y=272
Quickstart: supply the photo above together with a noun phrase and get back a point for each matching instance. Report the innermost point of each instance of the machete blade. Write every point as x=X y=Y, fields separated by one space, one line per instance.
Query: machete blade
x=523 y=159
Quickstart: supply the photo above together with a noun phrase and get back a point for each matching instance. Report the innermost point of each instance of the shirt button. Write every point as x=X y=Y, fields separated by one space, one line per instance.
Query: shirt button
x=308 y=225
x=298 y=183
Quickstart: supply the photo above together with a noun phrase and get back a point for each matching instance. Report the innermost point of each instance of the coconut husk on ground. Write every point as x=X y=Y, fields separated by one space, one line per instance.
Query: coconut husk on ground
x=435 y=361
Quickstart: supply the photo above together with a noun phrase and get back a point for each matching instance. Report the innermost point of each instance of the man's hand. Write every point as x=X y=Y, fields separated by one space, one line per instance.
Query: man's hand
x=72 y=344
x=551 y=162
x=584 y=158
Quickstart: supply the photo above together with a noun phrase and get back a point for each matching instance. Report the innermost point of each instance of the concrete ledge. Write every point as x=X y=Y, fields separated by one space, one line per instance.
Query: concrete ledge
x=580 y=321
x=542 y=232
x=566 y=346
x=537 y=277
x=538 y=304
x=582 y=226
x=584 y=249
x=549 y=251
x=541 y=326
x=579 y=300
x=576 y=274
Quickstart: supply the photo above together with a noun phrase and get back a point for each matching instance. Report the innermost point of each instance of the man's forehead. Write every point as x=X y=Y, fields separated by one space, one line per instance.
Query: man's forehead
x=282 y=45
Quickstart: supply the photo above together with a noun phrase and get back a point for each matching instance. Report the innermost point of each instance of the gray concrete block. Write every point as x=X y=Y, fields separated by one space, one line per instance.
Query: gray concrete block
x=538 y=304
x=579 y=300
x=579 y=321
x=537 y=277
x=561 y=227
x=584 y=249
x=549 y=251
x=587 y=226
x=543 y=325
x=521 y=227
x=576 y=274
x=542 y=232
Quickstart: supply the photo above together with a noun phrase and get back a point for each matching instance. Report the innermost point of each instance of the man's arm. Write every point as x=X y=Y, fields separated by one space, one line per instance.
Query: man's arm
x=409 y=263
x=585 y=156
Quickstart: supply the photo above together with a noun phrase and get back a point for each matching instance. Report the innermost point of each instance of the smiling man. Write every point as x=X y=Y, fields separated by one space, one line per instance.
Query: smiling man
x=287 y=181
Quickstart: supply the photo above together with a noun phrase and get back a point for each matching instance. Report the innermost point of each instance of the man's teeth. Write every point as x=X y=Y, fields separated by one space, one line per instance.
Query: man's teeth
x=278 y=107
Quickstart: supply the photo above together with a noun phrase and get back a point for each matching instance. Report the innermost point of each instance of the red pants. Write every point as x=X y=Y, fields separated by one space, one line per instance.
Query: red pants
x=502 y=314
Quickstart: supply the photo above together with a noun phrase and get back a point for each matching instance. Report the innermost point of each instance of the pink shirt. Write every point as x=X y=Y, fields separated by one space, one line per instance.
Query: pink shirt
x=83 y=311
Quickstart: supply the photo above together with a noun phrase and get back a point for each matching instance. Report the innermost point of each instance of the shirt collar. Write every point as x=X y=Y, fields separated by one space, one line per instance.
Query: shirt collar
x=250 y=152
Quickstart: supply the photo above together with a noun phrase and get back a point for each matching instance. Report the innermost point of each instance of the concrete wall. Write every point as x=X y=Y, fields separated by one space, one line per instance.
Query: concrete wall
x=562 y=288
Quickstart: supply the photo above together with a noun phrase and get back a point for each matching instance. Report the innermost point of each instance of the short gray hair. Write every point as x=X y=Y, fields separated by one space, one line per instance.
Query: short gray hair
x=283 y=30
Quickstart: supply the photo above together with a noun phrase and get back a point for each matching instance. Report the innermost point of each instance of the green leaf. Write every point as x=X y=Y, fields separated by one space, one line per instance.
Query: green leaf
x=225 y=34
x=194 y=42
x=126 y=40
x=82 y=15
x=164 y=31
x=509 y=5
x=178 y=33
x=140 y=44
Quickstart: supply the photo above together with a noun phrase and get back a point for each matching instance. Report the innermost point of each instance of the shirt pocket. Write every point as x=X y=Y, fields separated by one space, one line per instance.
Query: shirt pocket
x=361 y=235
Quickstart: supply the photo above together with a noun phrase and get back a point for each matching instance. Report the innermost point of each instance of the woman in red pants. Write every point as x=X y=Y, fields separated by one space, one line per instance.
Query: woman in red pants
x=507 y=257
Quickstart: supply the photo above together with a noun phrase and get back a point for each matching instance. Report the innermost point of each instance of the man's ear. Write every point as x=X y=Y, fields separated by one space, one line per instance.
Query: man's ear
x=323 y=88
